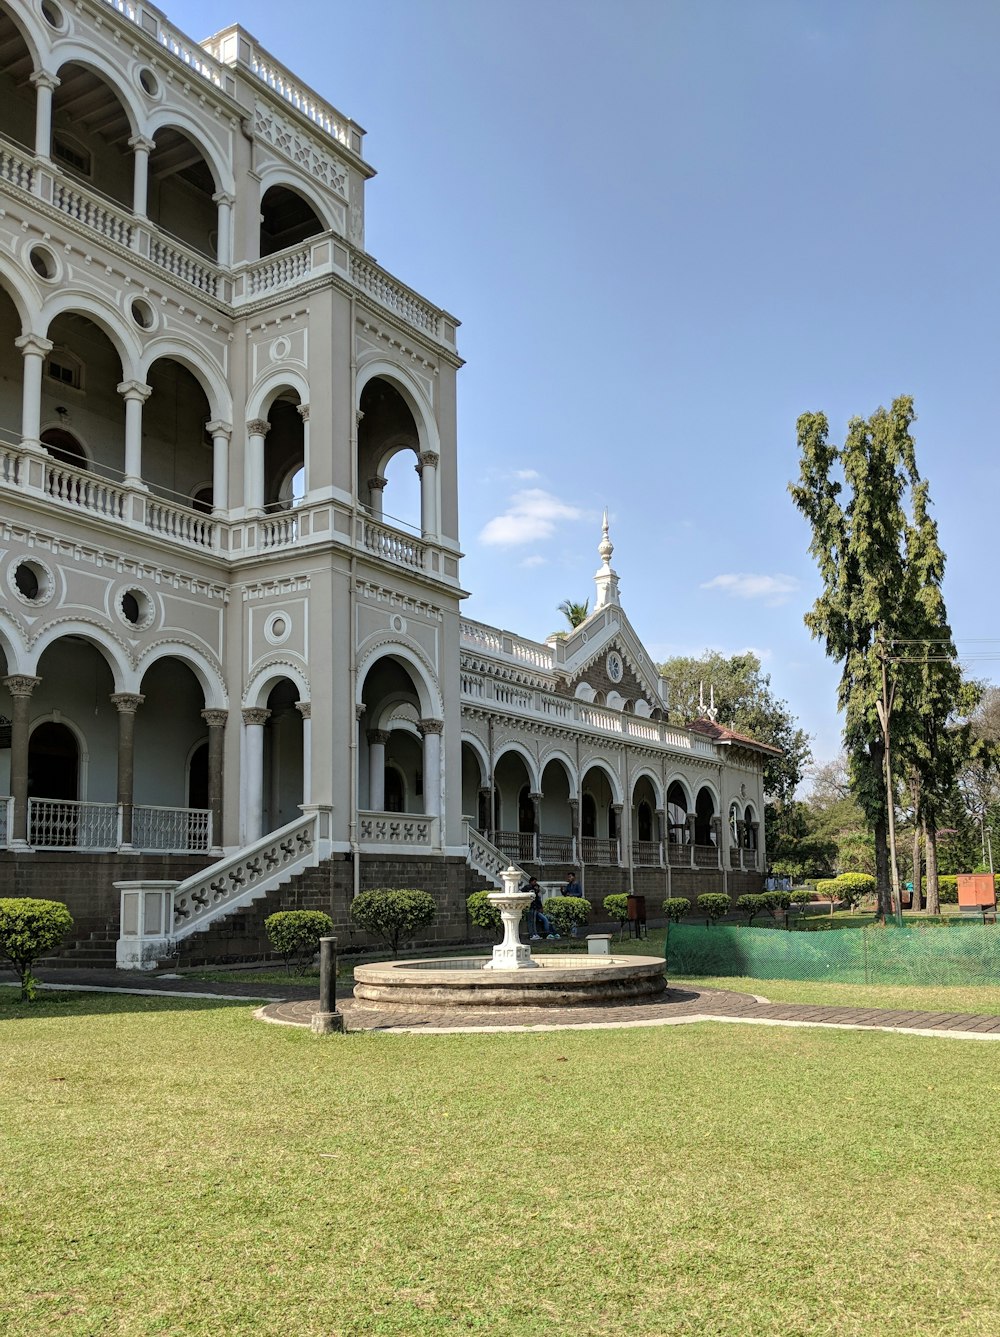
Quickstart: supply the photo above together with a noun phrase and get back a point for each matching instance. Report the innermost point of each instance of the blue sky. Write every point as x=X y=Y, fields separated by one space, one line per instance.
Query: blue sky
x=668 y=229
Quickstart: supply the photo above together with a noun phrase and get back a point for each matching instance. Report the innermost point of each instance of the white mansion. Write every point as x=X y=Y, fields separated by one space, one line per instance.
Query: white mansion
x=230 y=675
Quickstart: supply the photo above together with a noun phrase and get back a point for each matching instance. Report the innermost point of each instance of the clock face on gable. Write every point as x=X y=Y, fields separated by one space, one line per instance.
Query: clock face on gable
x=614 y=666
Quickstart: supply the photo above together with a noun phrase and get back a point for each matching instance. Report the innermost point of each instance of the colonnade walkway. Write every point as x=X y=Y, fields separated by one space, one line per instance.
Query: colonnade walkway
x=293 y=1004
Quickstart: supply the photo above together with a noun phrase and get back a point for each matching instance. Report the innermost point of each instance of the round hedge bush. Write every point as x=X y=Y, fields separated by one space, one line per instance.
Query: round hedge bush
x=676 y=907
x=29 y=929
x=566 y=913
x=393 y=914
x=295 y=935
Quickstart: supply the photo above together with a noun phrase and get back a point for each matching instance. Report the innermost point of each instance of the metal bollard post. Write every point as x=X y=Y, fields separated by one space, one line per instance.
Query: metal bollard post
x=327 y=1019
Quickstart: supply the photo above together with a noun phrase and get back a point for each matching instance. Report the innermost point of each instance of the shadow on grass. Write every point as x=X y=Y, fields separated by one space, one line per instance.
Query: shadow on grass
x=72 y=1003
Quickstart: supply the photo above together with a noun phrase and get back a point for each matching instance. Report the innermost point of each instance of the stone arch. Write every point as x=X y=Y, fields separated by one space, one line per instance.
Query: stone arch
x=529 y=761
x=82 y=750
x=208 y=674
x=267 y=676
x=103 y=641
x=476 y=746
x=414 y=397
x=675 y=777
x=108 y=319
x=614 y=784
x=568 y=765
x=207 y=373
x=23 y=294
x=88 y=58
x=31 y=32
x=12 y=642
x=276 y=174
x=421 y=671
x=173 y=118
x=647 y=773
x=268 y=389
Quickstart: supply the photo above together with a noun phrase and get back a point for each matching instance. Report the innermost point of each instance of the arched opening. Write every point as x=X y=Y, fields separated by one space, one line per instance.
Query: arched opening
x=749 y=829
x=388 y=456
x=283 y=757
x=284 y=454
x=53 y=763
x=197 y=777
x=475 y=804
x=181 y=186
x=677 y=809
x=90 y=133
x=602 y=846
x=17 y=97
x=10 y=384
x=64 y=447
x=80 y=395
x=555 y=841
x=399 y=757
x=286 y=218
x=588 y=819
x=646 y=839
x=512 y=783
x=171 y=760
x=177 y=450
x=395 y=789
x=704 y=828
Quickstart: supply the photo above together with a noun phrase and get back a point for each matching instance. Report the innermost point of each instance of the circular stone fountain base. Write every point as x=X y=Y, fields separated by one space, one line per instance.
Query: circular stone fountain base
x=462 y=982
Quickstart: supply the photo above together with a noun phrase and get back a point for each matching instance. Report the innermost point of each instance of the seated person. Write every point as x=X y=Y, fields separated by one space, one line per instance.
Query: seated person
x=541 y=925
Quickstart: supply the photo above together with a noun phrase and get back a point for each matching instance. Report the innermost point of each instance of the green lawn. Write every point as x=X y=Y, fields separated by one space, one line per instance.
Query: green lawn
x=982 y=999
x=173 y=1167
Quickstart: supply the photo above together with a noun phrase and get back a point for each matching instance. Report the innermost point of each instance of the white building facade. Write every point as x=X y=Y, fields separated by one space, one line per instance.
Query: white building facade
x=234 y=669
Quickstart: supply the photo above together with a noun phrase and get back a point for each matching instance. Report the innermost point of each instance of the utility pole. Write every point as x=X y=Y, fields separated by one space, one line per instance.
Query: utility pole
x=884 y=708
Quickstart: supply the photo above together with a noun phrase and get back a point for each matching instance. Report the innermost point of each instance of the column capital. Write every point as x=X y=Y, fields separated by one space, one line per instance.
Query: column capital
x=303 y=411
x=425 y=727
x=126 y=703
x=256 y=715
x=430 y=458
x=380 y=736
x=358 y=415
x=141 y=144
x=21 y=684
x=377 y=483
x=536 y=796
x=661 y=812
x=42 y=79
x=305 y=709
x=215 y=719
x=573 y=802
x=134 y=390
x=223 y=197
x=35 y=344
x=258 y=427
x=617 y=808
x=359 y=712
x=219 y=428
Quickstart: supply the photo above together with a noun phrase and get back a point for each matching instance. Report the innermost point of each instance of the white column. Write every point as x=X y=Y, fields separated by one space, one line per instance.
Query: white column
x=254 y=720
x=376 y=486
x=220 y=433
x=45 y=85
x=303 y=412
x=305 y=710
x=135 y=395
x=34 y=350
x=141 y=149
x=224 y=228
x=253 y=483
x=377 y=739
x=428 y=493
x=430 y=731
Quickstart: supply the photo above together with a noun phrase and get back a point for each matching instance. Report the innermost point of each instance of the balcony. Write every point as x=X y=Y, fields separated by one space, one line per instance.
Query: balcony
x=65 y=824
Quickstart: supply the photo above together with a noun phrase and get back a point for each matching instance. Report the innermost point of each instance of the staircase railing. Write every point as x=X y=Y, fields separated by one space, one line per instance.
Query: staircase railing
x=156 y=916
x=485 y=858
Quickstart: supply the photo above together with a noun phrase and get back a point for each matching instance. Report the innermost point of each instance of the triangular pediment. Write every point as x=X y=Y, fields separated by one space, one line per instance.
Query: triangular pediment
x=605 y=653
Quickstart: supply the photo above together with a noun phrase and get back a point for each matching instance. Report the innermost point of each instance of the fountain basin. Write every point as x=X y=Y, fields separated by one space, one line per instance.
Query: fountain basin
x=464 y=982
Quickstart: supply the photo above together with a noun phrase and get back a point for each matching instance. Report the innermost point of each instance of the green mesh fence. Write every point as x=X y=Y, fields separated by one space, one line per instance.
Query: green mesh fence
x=966 y=953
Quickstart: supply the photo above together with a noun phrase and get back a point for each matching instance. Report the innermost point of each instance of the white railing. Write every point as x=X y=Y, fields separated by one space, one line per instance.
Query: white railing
x=102 y=217
x=10 y=461
x=192 y=528
x=393 y=545
x=67 y=824
x=6 y=820
x=481 y=637
x=393 y=295
x=172 y=830
x=600 y=851
x=279 y=271
x=396 y=828
x=505 y=645
x=278 y=531
x=184 y=265
x=14 y=168
x=484 y=857
x=84 y=491
x=151 y=20
x=647 y=853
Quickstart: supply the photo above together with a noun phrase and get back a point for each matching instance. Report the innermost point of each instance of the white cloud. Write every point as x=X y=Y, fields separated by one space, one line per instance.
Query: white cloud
x=742 y=585
x=526 y=475
x=536 y=559
x=531 y=515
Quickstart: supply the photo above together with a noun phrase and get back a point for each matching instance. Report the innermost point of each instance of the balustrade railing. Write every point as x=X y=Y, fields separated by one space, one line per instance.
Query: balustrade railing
x=599 y=851
x=679 y=856
x=647 y=853
x=15 y=168
x=706 y=856
x=396 y=828
x=172 y=830
x=151 y=19
x=94 y=213
x=279 y=530
x=393 y=545
x=734 y=856
x=278 y=271
x=68 y=824
x=485 y=857
x=517 y=846
x=556 y=849
x=192 y=528
x=183 y=264
x=10 y=460
x=393 y=295
x=84 y=491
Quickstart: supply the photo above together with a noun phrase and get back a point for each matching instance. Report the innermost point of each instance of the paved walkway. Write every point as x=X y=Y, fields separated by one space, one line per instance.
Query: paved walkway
x=293 y=1005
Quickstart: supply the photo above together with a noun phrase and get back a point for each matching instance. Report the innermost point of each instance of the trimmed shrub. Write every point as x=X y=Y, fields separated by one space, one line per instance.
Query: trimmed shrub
x=482 y=913
x=30 y=929
x=713 y=905
x=393 y=914
x=854 y=887
x=616 y=906
x=676 y=907
x=295 y=935
x=777 y=900
x=801 y=896
x=828 y=888
x=567 y=913
x=752 y=904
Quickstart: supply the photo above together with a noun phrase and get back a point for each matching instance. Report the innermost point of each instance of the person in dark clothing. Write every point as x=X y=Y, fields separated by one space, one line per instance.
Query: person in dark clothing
x=541 y=925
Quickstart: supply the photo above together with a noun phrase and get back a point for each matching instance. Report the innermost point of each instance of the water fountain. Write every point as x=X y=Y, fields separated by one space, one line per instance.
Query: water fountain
x=511 y=977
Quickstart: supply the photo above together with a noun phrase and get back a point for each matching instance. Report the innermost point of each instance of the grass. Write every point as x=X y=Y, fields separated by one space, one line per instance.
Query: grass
x=981 y=999
x=173 y=1167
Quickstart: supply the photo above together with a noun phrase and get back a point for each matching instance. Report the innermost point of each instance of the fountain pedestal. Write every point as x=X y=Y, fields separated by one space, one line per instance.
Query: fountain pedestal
x=511 y=953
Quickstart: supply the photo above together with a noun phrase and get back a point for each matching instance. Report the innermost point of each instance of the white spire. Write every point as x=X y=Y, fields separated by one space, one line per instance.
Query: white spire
x=606 y=580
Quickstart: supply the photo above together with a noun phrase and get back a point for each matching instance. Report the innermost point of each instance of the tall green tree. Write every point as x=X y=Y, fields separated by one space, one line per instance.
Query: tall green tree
x=746 y=702
x=859 y=528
